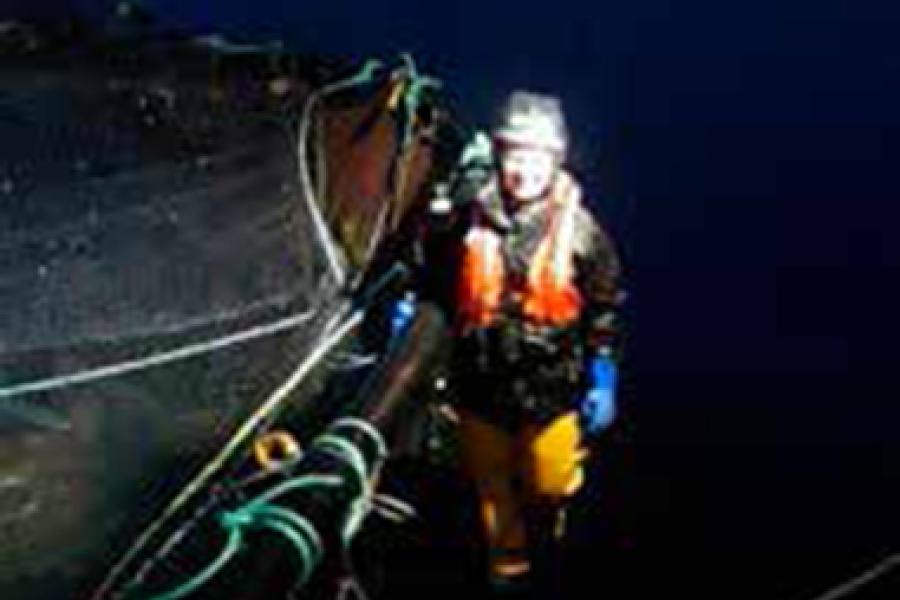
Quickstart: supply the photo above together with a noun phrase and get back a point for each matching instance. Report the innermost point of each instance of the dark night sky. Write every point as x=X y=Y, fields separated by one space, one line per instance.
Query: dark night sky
x=743 y=152
x=725 y=142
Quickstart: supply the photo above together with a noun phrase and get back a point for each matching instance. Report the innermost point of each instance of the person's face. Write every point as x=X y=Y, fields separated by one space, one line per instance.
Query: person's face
x=526 y=173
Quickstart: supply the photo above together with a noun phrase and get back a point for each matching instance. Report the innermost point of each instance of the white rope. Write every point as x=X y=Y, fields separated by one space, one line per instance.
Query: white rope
x=213 y=466
x=351 y=588
x=393 y=508
x=325 y=237
x=847 y=588
x=155 y=360
x=350 y=361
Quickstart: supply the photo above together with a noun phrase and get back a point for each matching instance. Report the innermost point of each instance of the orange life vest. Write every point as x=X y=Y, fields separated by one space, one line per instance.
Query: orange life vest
x=548 y=295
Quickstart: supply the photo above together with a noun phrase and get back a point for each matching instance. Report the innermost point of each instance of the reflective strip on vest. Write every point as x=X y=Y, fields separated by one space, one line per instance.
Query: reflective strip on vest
x=549 y=296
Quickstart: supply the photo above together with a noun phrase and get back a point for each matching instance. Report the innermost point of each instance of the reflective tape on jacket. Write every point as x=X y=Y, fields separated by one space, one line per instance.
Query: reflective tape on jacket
x=547 y=295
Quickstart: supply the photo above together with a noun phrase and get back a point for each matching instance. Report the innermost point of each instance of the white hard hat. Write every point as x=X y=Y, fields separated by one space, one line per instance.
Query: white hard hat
x=530 y=119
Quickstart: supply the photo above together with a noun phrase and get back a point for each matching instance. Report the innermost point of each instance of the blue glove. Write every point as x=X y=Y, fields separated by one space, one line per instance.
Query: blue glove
x=598 y=406
x=402 y=313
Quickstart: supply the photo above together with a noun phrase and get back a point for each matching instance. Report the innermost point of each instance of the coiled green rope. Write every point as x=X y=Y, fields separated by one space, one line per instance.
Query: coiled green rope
x=262 y=513
x=258 y=514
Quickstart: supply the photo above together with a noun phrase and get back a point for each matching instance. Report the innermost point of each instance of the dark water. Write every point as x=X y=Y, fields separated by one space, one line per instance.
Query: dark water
x=766 y=415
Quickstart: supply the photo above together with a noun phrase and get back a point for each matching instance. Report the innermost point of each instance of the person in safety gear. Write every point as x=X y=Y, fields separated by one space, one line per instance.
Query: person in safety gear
x=529 y=280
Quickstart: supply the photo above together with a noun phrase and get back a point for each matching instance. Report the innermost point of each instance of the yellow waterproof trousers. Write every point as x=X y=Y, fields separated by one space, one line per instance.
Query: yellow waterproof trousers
x=536 y=465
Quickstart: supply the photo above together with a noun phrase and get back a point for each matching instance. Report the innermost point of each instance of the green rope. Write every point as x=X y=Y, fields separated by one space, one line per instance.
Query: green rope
x=413 y=94
x=307 y=481
x=300 y=542
x=365 y=76
x=361 y=505
x=260 y=513
x=302 y=524
x=359 y=510
x=349 y=453
x=365 y=427
x=297 y=529
x=235 y=539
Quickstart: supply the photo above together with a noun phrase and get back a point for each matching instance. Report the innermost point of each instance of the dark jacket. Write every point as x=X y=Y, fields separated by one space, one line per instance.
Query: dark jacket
x=512 y=372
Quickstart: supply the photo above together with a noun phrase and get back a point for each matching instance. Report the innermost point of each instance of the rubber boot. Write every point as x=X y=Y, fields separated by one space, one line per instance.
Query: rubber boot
x=546 y=533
